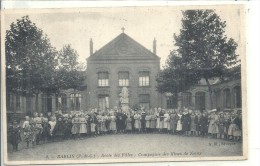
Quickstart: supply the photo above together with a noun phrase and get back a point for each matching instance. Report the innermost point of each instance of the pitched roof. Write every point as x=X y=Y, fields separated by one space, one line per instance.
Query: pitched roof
x=123 y=47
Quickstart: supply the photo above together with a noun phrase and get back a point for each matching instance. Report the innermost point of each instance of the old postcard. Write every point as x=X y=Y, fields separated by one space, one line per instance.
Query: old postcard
x=124 y=84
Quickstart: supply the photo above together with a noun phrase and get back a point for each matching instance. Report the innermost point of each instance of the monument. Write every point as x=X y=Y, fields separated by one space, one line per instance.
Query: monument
x=124 y=100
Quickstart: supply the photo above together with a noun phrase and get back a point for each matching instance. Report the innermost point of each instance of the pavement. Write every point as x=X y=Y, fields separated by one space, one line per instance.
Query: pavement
x=129 y=146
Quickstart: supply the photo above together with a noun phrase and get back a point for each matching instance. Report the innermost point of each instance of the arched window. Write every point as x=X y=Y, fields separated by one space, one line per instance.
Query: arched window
x=227 y=98
x=186 y=99
x=75 y=99
x=200 y=100
x=237 y=97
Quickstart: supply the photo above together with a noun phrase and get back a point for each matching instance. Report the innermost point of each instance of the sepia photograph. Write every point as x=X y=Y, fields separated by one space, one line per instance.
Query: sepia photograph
x=124 y=84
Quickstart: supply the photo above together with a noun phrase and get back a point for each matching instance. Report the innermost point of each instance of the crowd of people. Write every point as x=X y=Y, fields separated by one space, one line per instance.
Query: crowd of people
x=59 y=126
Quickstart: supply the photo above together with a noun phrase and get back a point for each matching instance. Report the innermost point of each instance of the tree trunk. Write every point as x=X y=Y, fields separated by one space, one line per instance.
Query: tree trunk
x=210 y=92
x=36 y=102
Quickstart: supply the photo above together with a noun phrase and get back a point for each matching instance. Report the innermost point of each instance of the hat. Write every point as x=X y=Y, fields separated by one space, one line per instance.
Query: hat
x=213 y=110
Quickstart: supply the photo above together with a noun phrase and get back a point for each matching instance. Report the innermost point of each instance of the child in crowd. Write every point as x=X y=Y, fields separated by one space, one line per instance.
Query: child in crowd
x=194 y=123
x=75 y=126
x=137 y=118
x=221 y=125
x=148 y=122
x=179 y=122
x=52 y=124
x=128 y=124
x=46 y=127
x=166 y=124
x=186 y=120
x=203 y=124
x=82 y=125
x=112 y=126
x=14 y=135
x=213 y=126
x=58 y=130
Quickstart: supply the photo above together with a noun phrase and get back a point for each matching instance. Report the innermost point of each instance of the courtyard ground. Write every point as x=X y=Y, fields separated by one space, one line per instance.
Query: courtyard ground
x=129 y=146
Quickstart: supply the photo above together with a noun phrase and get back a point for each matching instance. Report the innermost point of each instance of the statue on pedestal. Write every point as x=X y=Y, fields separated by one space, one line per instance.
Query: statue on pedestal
x=124 y=100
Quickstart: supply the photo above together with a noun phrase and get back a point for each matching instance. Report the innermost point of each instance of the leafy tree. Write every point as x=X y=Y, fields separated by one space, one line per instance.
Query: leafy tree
x=70 y=73
x=30 y=59
x=203 y=51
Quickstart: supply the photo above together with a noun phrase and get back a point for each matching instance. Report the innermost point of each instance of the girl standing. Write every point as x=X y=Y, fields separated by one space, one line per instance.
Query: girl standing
x=83 y=125
x=128 y=124
x=52 y=124
x=185 y=119
x=27 y=131
x=213 y=126
x=203 y=124
x=75 y=126
x=45 y=130
x=166 y=124
x=58 y=130
x=221 y=125
x=15 y=135
x=173 y=121
x=113 y=123
x=153 y=121
x=179 y=123
x=194 y=123
x=137 y=118
x=93 y=124
x=148 y=122
x=67 y=127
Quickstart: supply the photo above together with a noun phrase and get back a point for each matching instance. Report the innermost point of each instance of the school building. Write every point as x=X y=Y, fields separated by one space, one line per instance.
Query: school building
x=123 y=62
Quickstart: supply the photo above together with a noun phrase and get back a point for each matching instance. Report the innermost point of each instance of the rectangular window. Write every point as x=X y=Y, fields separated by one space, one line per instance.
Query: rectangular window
x=171 y=102
x=144 y=79
x=29 y=104
x=18 y=102
x=144 y=101
x=103 y=79
x=200 y=101
x=75 y=99
x=186 y=99
x=103 y=102
x=44 y=103
x=61 y=102
x=123 y=78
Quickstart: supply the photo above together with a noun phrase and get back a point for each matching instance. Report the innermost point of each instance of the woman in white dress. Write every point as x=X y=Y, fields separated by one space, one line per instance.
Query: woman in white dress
x=52 y=124
x=137 y=118
x=166 y=120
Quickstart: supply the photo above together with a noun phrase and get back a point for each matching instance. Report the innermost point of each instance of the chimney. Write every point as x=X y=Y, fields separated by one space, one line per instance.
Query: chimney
x=154 y=46
x=91 y=46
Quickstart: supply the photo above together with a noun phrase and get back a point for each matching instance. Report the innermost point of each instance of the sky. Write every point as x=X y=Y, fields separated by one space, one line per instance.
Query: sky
x=143 y=24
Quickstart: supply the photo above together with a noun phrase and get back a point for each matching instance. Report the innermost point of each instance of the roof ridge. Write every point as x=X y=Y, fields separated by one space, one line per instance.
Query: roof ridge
x=120 y=36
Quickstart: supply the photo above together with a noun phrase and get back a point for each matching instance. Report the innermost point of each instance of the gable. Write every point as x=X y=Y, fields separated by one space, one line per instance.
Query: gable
x=123 y=47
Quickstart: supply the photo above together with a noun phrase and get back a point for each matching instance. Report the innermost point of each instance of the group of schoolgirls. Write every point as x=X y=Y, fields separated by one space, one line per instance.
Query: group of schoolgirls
x=78 y=125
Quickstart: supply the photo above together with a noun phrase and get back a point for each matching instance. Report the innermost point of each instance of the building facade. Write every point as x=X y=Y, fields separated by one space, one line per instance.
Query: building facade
x=123 y=62
x=226 y=95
